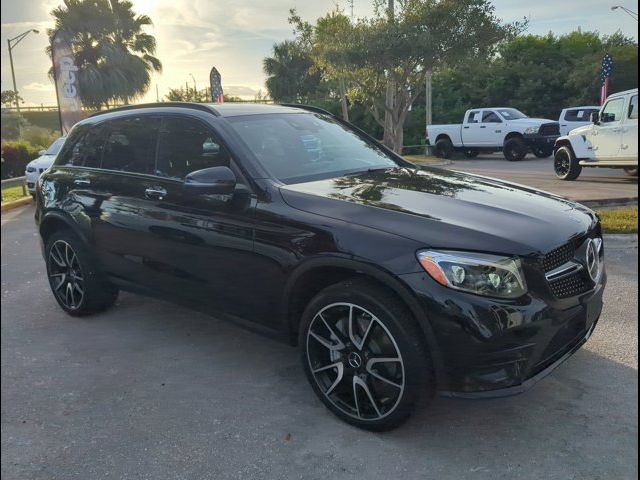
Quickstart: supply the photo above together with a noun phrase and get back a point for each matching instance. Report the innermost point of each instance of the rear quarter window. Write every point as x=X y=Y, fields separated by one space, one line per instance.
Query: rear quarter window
x=83 y=147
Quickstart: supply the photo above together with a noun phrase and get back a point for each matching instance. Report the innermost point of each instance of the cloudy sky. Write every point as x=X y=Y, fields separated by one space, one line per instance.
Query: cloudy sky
x=235 y=36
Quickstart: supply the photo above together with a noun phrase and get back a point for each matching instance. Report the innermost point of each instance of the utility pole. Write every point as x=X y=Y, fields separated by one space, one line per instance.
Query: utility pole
x=428 y=107
x=11 y=44
x=157 y=94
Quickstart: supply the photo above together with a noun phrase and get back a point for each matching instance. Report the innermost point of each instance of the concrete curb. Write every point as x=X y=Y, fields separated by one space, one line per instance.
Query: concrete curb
x=609 y=202
x=15 y=204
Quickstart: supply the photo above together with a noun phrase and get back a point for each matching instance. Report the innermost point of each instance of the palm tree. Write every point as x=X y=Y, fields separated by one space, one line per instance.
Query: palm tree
x=290 y=73
x=115 y=57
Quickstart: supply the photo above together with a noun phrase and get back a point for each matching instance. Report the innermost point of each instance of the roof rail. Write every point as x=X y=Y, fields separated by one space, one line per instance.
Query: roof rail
x=309 y=108
x=194 y=106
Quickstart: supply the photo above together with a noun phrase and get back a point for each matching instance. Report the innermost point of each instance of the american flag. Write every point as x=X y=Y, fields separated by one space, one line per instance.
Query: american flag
x=605 y=74
x=216 y=86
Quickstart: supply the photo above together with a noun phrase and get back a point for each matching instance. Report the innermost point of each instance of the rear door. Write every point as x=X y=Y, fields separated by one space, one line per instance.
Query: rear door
x=629 y=146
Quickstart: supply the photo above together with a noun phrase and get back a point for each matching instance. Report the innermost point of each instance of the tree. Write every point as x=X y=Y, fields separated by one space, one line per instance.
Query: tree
x=290 y=73
x=388 y=56
x=9 y=98
x=115 y=57
x=188 y=95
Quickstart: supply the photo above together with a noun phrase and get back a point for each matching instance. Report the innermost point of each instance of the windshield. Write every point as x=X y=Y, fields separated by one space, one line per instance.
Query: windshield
x=55 y=147
x=298 y=147
x=511 y=114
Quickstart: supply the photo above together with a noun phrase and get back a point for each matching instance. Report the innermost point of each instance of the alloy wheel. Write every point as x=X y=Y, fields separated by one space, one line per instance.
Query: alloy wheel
x=562 y=163
x=65 y=275
x=355 y=361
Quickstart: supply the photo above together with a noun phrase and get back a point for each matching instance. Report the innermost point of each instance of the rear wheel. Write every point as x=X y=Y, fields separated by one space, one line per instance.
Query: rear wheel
x=514 y=149
x=443 y=148
x=566 y=165
x=631 y=171
x=543 y=152
x=363 y=355
x=74 y=280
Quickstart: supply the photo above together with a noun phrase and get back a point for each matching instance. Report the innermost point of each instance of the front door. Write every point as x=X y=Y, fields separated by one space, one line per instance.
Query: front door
x=195 y=248
x=606 y=137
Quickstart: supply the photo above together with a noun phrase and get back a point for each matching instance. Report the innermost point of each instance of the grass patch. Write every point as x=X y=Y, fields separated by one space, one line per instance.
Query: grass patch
x=619 y=220
x=12 y=193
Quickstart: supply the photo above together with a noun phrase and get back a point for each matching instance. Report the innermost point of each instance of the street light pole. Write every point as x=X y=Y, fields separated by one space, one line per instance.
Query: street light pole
x=11 y=44
x=631 y=13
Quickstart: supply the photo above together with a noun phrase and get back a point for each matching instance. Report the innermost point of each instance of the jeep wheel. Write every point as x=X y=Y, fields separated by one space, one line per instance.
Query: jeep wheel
x=363 y=355
x=631 y=171
x=75 y=283
x=514 y=149
x=543 y=152
x=566 y=164
x=443 y=148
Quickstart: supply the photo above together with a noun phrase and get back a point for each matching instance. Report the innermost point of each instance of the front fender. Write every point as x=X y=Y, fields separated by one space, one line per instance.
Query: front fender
x=581 y=147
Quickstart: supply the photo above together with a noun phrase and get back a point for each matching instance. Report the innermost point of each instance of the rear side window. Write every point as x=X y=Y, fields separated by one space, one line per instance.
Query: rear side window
x=131 y=144
x=474 y=117
x=633 y=108
x=579 y=114
x=84 y=147
x=187 y=145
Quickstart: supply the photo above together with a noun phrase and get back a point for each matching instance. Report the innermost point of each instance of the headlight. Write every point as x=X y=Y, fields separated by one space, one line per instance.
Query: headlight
x=531 y=130
x=30 y=169
x=488 y=275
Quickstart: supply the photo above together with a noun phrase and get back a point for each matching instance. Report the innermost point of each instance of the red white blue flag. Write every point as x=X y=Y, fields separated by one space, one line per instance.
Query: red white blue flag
x=216 y=86
x=605 y=75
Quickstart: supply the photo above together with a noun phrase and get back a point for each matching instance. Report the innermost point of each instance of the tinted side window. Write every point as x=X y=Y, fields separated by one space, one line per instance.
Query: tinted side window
x=579 y=115
x=474 y=117
x=490 y=117
x=187 y=145
x=633 y=108
x=131 y=144
x=84 y=147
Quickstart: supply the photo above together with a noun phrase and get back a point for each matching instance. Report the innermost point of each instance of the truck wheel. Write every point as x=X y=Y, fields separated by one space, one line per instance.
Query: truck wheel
x=444 y=148
x=631 y=171
x=566 y=164
x=471 y=153
x=514 y=149
x=543 y=152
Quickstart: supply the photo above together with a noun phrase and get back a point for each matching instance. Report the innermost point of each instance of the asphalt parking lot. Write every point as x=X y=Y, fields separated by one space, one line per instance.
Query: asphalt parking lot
x=594 y=184
x=149 y=390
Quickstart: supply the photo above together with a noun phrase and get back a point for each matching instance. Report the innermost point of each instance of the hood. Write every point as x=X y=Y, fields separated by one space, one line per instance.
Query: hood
x=43 y=161
x=532 y=121
x=445 y=209
x=583 y=130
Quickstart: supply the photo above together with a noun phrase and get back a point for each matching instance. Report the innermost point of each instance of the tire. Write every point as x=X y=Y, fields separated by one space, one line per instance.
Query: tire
x=631 y=171
x=566 y=164
x=514 y=149
x=75 y=282
x=338 y=363
x=543 y=152
x=471 y=153
x=443 y=148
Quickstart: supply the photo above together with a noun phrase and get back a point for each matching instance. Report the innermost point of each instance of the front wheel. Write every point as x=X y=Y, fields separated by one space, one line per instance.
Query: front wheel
x=363 y=355
x=514 y=149
x=631 y=171
x=566 y=165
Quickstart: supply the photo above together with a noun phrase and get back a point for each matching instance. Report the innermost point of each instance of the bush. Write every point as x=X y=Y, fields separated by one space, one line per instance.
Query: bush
x=15 y=156
x=11 y=124
x=38 y=136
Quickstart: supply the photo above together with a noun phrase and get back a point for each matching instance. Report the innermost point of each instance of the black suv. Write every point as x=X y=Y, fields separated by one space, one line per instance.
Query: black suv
x=396 y=281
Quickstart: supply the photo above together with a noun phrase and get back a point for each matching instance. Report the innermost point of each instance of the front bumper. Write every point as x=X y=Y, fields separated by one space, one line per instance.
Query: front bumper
x=491 y=348
x=535 y=140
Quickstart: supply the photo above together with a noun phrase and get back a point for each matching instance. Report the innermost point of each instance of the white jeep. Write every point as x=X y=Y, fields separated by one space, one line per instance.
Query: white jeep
x=610 y=140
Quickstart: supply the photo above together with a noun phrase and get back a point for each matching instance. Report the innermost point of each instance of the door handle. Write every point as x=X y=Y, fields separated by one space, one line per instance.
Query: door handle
x=483 y=126
x=157 y=193
x=82 y=182
x=466 y=128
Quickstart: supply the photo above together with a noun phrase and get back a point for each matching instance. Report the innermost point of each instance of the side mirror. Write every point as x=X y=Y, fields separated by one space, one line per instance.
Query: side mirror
x=595 y=118
x=42 y=152
x=210 y=181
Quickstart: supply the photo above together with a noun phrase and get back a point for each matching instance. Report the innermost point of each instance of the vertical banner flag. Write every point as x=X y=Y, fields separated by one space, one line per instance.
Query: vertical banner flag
x=65 y=75
x=607 y=68
x=216 y=86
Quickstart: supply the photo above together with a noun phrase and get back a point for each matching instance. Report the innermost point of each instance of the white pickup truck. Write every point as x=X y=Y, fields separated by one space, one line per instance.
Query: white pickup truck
x=575 y=117
x=610 y=140
x=493 y=130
